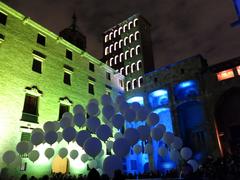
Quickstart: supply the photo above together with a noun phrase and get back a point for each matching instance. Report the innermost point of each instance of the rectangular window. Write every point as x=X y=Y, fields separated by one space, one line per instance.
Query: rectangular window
x=67 y=78
x=68 y=54
x=25 y=136
x=238 y=70
x=62 y=109
x=108 y=75
x=90 y=88
x=23 y=166
x=31 y=104
x=91 y=67
x=37 y=66
x=121 y=82
x=41 y=39
x=226 y=74
x=3 y=18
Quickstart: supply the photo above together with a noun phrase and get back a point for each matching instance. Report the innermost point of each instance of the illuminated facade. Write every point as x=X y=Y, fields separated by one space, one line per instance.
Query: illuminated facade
x=42 y=76
x=128 y=49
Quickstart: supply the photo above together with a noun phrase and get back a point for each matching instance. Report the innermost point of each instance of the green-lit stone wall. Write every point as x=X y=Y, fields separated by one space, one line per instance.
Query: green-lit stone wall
x=16 y=58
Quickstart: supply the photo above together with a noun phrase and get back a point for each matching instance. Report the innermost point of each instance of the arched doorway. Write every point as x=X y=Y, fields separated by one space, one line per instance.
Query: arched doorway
x=59 y=165
x=227 y=117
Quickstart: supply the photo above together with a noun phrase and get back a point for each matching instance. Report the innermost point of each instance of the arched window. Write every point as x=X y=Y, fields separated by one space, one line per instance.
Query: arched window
x=140 y=81
x=110 y=35
x=135 y=22
x=131 y=38
x=134 y=83
x=130 y=25
x=126 y=55
x=127 y=69
x=120 y=30
x=116 y=59
x=106 y=50
x=120 y=44
x=138 y=49
x=111 y=48
x=111 y=62
x=106 y=38
x=132 y=52
x=128 y=86
x=133 y=67
x=125 y=27
x=139 y=65
x=115 y=46
x=125 y=41
x=121 y=57
x=122 y=71
x=137 y=35
x=115 y=33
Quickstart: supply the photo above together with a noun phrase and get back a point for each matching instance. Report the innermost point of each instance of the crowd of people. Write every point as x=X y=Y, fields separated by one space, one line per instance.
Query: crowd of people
x=225 y=168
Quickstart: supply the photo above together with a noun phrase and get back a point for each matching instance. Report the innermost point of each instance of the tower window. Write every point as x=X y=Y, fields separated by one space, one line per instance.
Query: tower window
x=68 y=54
x=91 y=67
x=90 y=88
x=25 y=136
x=37 y=66
x=3 y=18
x=108 y=75
x=31 y=105
x=67 y=78
x=41 y=39
x=62 y=109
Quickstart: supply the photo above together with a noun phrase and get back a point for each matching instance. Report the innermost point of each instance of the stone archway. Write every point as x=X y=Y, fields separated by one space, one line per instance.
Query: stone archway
x=227 y=116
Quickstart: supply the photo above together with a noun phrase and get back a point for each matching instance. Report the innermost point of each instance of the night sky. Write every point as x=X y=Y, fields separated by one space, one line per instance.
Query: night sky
x=180 y=28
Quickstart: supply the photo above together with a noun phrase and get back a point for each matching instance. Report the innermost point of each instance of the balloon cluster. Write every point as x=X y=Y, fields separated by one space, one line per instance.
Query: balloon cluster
x=91 y=133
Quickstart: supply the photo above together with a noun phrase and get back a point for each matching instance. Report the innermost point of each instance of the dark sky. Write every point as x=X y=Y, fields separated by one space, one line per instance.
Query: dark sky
x=180 y=28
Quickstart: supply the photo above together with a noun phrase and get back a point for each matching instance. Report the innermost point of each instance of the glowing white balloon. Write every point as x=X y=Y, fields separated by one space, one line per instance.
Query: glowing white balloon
x=108 y=111
x=66 y=122
x=149 y=149
x=84 y=158
x=74 y=154
x=92 y=109
x=92 y=146
x=78 y=109
x=112 y=163
x=79 y=119
x=118 y=121
x=137 y=149
x=49 y=152
x=130 y=115
x=63 y=152
x=121 y=147
x=152 y=119
x=156 y=133
x=162 y=151
x=67 y=115
x=82 y=136
x=33 y=155
x=186 y=153
x=51 y=137
x=104 y=132
x=93 y=123
x=37 y=138
x=168 y=138
x=8 y=157
x=106 y=100
x=144 y=132
x=69 y=134
x=131 y=135
x=194 y=164
x=92 y=164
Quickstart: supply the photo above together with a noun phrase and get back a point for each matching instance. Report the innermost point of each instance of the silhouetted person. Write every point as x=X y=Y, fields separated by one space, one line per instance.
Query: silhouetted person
x=93 y=175
x=24 y=177
x=105 y=177
x=118 y=175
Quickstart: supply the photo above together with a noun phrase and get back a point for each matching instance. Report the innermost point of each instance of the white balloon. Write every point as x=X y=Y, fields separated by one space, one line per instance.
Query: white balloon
x=84 y=158
x=112 y=163
x=135 y=106
x=108 y=111
x=33 y=155
x=149 y=149
x=49 y=152
x=137 y=149
x=37 y=130
x=118 y=135
x=161 y=127
x=66 y=122
x=51 y=137
x=79 y=119
x=69 y=134
x=109 y=145
x=194 y=164
x=162 y=151
x=23 y=147
x=92 y=164
x=106 y=100
x=174 y=155
x=82 y=136
x=49 y=126
x=93 y=101
x=142 y=113
x=186 y=153
x=92 y=146
x=177 y=143
x=152 y=119
x=100 y=171
x=132 y=135
x=144 y=132
x=8 y=157
x=67 y=115
x=37 y=138
x=78 y=109
x=56 y=125
x=168 y=138
x=93 y=123
x=63 y=152
x=74 y=154
x=59 y=139
x=130 y=115
x=17 y=162
x=92 y=109
x=156 y=133
x=104 y=132
x=118 y=121
x=119 y=99
x=121 y=147
x=123 y=107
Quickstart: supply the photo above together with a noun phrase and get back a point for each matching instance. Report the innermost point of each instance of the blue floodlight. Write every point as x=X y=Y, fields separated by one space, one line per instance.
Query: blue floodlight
x=158 y=98
x=138 y=99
